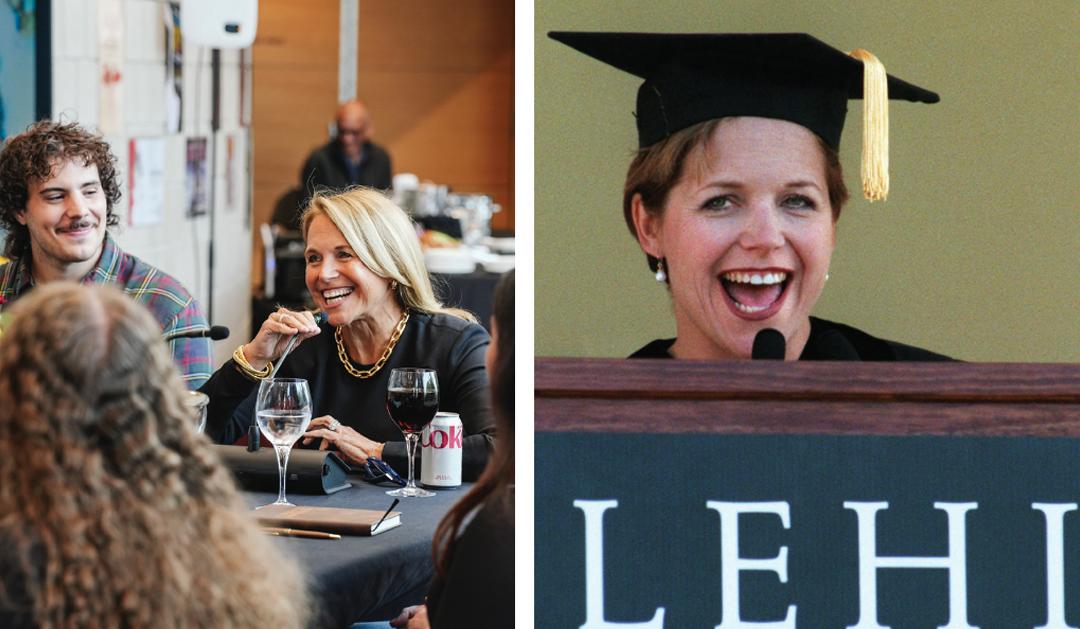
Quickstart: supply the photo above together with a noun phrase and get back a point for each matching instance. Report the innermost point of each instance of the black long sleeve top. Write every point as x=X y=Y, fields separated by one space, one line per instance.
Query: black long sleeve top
x=452 y=346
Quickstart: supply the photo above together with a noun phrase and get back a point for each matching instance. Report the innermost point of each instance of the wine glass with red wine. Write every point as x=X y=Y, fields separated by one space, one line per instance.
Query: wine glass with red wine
x=412 y=399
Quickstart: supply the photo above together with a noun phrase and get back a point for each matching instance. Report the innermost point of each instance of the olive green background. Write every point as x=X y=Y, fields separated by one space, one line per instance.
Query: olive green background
x=976 y=252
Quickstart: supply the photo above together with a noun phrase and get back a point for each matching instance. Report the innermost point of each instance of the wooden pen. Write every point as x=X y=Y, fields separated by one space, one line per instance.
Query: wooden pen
x=283 y=532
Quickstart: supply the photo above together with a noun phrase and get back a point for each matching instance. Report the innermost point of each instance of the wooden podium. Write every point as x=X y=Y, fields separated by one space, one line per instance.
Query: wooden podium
x=669 y=396
x=700 y=494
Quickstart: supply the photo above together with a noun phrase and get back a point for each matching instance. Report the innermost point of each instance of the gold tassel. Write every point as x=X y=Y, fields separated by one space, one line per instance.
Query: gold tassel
x=875 y=140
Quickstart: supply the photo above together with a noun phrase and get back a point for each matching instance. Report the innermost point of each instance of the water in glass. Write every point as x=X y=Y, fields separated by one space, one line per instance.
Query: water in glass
x=283 y=412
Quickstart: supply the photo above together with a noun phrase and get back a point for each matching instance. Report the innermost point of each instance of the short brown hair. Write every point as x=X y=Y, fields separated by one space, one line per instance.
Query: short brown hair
x=656 y=169
x=32 y=156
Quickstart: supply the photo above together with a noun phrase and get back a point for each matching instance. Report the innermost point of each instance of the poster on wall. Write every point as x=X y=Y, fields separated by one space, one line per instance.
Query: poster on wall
x=111 y=53
x=25 y=67
x=20 y=44
x=146 y=181
x=174 y=69
x=197 y=181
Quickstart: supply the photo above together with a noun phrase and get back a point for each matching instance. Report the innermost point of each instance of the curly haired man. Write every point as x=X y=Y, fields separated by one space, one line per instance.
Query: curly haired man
x=58 y=192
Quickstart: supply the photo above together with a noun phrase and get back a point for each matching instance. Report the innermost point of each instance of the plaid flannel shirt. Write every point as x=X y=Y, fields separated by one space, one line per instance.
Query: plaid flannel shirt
x=170 y=303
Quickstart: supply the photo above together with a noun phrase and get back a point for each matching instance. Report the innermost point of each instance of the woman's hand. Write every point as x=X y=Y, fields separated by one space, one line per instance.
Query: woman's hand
x=414 y=617
x=274 y=335
x=355 y=447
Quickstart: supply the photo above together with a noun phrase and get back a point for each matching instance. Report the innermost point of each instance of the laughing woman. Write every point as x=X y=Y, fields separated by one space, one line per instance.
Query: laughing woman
x=366 y=273
x=736 y=188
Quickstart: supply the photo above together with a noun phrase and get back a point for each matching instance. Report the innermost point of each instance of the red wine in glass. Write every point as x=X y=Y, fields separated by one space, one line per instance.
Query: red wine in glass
x=412 y=399
x=411 y=409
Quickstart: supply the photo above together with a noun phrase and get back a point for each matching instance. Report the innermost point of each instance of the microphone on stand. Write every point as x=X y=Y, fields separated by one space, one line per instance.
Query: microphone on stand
x=769 y=344
x=215 y=333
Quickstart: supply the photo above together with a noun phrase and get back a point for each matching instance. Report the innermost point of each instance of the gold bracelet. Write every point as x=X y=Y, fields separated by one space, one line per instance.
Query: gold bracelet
x=245 y=367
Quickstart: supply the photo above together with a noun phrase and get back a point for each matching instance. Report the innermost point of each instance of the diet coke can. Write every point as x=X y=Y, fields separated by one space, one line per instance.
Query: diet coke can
x=440 y=443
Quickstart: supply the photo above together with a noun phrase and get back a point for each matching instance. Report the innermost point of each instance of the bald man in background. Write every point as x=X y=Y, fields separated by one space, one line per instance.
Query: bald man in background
x=351 y=158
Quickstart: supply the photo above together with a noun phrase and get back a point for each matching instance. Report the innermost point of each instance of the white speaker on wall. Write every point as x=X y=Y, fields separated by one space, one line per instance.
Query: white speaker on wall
x=219 y=23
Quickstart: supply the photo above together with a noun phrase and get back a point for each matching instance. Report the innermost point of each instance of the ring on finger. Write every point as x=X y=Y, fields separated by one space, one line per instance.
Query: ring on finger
x=333 y=425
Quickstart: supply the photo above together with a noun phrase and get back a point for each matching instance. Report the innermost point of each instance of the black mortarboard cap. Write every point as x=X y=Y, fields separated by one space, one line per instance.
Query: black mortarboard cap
x=691 y=78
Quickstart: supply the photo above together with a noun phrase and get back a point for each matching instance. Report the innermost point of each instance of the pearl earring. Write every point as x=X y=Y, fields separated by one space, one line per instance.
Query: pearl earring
x=661 y=276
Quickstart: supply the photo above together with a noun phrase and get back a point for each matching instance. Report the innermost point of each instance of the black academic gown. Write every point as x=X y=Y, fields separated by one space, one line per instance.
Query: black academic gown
x=829 y=341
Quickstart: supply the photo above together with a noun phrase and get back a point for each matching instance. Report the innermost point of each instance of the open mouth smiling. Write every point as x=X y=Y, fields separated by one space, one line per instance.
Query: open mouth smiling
x=755 y=294
x=336 y=295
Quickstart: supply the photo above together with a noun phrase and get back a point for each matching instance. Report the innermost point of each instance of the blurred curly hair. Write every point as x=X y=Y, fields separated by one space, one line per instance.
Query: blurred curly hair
x=32 y=157
x=114 y=511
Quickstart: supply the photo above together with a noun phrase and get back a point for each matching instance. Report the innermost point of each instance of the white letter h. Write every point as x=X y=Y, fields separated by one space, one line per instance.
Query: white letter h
x=869 y=562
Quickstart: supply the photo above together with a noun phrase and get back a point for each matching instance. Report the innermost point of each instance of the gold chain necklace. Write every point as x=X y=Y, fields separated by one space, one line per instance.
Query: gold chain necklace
x=367 y=373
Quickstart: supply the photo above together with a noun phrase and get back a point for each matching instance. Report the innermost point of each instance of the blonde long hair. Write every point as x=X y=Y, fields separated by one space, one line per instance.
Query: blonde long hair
x=114 y=512
x=383 y=237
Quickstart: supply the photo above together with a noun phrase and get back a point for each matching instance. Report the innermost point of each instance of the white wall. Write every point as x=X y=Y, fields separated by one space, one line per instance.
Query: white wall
x=178 y=245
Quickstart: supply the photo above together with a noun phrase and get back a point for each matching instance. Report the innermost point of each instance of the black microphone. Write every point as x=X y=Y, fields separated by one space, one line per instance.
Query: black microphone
x=769 y=344
x=216 y=333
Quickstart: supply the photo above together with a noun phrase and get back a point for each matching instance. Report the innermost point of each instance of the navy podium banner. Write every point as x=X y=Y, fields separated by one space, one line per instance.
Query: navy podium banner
x=806 y=496
x=807 y=531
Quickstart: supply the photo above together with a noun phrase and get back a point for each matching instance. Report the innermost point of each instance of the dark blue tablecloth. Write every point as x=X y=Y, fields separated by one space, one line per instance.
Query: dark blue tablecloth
x=367 y=578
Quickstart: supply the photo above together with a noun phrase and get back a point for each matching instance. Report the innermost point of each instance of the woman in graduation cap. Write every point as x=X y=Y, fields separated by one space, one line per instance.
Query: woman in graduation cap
x=736 y=187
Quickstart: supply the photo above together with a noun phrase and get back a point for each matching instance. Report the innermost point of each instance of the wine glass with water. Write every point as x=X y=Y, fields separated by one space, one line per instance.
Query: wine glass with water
x=412 y=399
x=283 y=412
